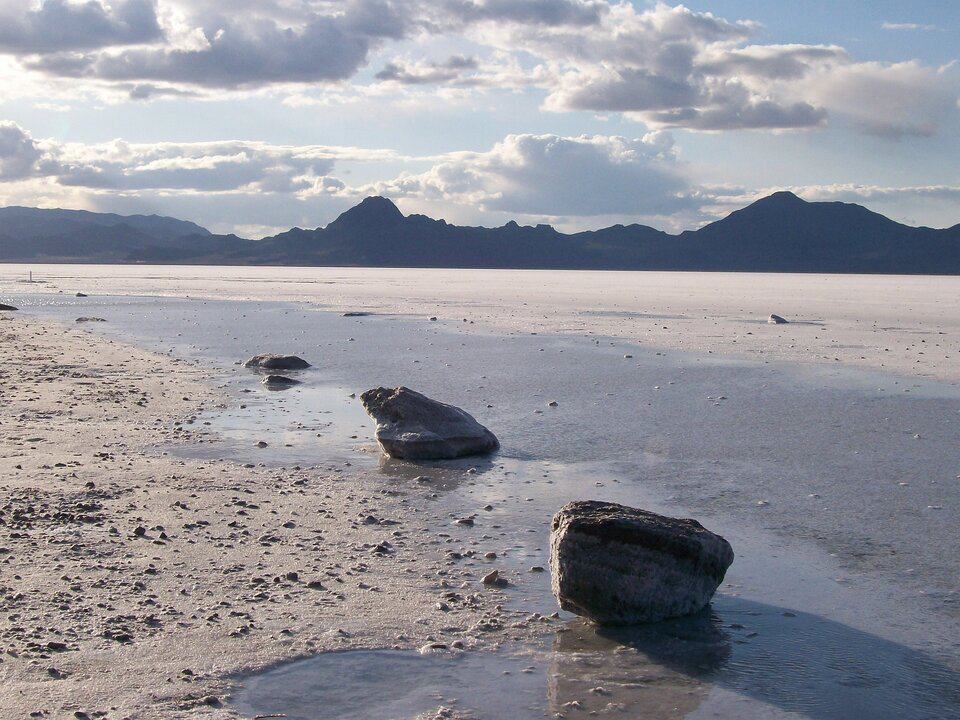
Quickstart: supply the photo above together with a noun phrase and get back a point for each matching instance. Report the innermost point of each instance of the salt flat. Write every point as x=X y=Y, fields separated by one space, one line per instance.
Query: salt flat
x=907 y=324
x=824 y=450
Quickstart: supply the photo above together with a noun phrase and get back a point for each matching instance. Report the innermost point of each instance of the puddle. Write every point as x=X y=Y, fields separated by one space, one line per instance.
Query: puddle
x=316 y=424
x=391 y=684
x=741 y=659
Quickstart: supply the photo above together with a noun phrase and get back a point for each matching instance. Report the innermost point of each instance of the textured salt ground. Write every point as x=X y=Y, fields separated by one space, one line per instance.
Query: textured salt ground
x=136 y=584
x=904 y=324
x=764 y=433
x=862 y=463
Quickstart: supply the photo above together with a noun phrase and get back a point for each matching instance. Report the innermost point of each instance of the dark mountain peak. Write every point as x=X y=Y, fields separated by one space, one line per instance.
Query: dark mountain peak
x=782 y=197
x=783 y=200
x=372 y=212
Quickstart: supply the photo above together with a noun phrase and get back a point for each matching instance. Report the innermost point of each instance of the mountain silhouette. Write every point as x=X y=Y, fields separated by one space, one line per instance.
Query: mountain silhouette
x=778 y=233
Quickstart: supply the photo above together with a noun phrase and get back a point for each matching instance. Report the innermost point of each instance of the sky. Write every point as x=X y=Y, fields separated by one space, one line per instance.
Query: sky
x=254 y=116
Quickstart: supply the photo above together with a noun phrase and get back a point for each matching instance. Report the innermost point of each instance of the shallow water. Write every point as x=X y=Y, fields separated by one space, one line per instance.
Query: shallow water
x=836 y=487
x=741 y=659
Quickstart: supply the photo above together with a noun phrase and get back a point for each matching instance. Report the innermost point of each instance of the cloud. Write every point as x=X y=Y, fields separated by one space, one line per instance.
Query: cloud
x=19 y=153
x=274 y=44
x=546 y=175
x=556 y=176
x=248 y=54
x=673 y=67
x=426 y=73
x=148 y=91
x=890 y=100
x=60 y=25
x=550 y=13
x=852 y=192
x=667 y=67
x=907 y=26
x=770 y=62
x=200 y=167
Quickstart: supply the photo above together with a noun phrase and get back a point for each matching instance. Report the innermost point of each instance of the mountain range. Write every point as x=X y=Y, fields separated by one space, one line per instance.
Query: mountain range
x=778 y=233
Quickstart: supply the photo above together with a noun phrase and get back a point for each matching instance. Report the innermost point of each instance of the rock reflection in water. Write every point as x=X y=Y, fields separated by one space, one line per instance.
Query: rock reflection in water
x=648 y=671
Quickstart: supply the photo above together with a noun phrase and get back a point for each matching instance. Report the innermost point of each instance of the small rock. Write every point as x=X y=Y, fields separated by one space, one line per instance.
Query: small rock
x=493 y=579
x=277 y=362
x=279 y=382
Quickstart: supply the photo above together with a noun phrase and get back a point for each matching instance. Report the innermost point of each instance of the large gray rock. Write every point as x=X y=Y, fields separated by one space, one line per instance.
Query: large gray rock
x=777 y=320
x=411 y=426
x=277 y=362
x=621 y=566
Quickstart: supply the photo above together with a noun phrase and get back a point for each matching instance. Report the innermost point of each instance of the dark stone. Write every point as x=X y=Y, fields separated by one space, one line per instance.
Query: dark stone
x=619 y=565
x=277 y=362
x=411 y=426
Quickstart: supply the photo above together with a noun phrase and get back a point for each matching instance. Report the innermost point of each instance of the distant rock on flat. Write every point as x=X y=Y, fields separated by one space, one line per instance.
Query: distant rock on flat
x=7 y=307
x=279 y=382
x=277 y=362
x=621 y=566
x=411 y=426
x=86 y=319
x=777 y=320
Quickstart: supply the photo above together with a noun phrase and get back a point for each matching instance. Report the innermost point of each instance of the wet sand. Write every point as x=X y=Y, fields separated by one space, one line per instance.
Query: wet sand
x=138 y=584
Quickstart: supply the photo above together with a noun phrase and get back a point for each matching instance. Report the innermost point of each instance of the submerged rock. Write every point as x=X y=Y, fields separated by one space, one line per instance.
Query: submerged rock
x=277 y=362
x=777 y=320
x=279 y=382
x=621 y=566
x=411 y=426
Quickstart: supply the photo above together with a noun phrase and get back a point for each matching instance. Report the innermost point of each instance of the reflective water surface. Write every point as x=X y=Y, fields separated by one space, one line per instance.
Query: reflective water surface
x=741 y=659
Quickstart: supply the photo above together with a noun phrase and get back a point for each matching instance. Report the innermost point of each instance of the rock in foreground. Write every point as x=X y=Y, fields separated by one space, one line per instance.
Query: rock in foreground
x=7 y=307
x=277 y=362
x=411 y=426
x=777 y=320
x=621 y=566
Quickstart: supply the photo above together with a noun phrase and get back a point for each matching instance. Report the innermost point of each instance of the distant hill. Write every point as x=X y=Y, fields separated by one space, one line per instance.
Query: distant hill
x=779 y=233
x=80 y=236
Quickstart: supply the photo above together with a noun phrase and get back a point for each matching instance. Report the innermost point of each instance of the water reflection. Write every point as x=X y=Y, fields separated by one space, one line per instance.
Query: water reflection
x=769 y=661
x=769 y=656
x=658 y=671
